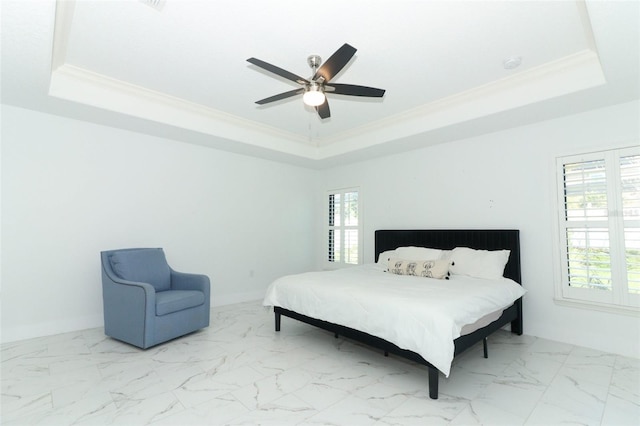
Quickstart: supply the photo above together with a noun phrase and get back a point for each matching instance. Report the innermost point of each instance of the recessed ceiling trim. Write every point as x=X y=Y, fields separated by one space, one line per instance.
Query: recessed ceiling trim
x=571 y=74
x=567 y=75
x=62 y=31
x=86 y=87
x=576 y=72
x=79 y=85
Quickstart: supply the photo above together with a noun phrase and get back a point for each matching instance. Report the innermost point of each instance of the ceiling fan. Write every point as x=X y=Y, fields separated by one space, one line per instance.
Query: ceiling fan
x=315 y=87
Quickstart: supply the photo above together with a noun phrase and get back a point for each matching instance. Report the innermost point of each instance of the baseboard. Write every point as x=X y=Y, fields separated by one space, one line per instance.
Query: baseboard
x=24 y=332
x=231 y=299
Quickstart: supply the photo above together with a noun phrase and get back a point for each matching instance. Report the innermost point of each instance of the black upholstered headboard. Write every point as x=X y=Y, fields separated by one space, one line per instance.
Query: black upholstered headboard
x=447 y=239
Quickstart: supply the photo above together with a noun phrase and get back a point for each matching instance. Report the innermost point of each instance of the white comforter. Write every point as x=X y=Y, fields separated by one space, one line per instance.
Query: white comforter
x=423 y=315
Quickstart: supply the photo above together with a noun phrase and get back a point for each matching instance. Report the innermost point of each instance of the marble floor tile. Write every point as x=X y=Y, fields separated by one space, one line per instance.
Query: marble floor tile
x=419 y=409
x=239 y=371
x=288 y=410
x=512 y=397
x=570 y=399
x=217 y=411
x=621 y=412
x=320 y=395
x=352 y=410
x=264 y=391
x=480 y=413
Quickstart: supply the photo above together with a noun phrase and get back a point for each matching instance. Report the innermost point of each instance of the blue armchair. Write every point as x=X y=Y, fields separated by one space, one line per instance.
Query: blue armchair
x=146 y=302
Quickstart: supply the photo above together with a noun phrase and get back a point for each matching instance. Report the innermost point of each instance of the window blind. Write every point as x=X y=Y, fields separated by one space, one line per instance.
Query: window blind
x=343 y=222
x=600 y=227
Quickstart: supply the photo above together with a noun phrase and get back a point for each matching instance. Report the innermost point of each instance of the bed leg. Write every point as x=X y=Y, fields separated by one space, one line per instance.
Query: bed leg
x=433 y=383
x=278 y=318
x=386 y=353
x=516 y=325
x=335 y=335
x=485 y=348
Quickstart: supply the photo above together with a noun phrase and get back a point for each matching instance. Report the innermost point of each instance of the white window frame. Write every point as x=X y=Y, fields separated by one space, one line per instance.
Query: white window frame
x=342 y=227
x=618 y=300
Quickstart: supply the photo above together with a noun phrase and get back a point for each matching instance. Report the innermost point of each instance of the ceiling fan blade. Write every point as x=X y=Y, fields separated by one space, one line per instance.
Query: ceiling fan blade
x=355 y=90
x=278 y=71
x=335 y=63
x=280 y=96
x=323 y=110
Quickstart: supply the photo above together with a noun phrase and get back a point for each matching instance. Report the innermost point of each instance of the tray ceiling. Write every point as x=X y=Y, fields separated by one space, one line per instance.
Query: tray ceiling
x=181 y=71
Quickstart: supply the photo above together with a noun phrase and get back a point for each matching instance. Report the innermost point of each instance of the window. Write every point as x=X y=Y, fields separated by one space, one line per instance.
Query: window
x=599 y=223
x=344 y=227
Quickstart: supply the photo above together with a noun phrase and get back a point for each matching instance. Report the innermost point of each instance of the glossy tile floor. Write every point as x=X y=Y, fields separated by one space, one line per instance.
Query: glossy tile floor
x=240 y=372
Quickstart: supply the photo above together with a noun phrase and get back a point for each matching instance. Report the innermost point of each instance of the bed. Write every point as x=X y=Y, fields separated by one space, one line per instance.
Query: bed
x=390 y=311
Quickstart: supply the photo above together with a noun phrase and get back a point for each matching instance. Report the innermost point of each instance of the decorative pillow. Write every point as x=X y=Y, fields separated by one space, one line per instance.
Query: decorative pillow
x=145 y=265
x=418 y=253
x=420 y=268
x=385 y=256
x=488 y=264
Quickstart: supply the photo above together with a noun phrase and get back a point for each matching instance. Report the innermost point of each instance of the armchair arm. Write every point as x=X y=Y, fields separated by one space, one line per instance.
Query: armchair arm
x=135 y=290
x=129 y=309
x=184 y=281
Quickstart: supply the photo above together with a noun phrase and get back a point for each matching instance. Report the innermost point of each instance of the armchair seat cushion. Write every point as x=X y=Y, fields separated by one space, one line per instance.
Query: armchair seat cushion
x=176 y=300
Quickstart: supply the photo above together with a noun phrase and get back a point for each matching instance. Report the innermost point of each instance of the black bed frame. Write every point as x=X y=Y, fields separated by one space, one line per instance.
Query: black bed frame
x=446 y=240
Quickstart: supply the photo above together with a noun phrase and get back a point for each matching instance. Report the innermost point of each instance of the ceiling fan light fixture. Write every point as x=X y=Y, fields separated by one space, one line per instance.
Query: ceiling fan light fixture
x=314 y=96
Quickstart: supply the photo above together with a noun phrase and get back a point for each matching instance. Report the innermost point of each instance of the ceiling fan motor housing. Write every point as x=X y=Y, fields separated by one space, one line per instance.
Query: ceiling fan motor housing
x=314 y=62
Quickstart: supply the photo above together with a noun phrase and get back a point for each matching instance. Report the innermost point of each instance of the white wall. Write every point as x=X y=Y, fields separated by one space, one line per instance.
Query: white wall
x=501 y=180
x=71 y=189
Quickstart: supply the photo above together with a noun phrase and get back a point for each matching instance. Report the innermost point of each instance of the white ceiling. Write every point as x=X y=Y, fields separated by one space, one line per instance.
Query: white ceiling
x=181 y=71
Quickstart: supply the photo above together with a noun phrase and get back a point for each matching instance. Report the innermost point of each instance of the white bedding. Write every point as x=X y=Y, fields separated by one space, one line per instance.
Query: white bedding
x=423 y=315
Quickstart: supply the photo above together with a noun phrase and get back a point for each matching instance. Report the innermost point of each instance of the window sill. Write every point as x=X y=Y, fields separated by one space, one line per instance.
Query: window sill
x=593 y=306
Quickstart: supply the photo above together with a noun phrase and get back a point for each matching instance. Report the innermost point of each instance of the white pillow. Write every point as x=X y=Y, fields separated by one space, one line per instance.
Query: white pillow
x=479 y=263
x=385 y=256
x=446 y=255
x=418 y=253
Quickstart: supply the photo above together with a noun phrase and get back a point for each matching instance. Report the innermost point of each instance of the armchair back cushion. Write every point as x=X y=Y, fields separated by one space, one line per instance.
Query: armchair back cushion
x=147 y=266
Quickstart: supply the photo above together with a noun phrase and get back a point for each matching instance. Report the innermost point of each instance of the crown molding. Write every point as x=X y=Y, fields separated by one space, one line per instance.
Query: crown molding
x=83 y=86
x=65 y=10
x=573 y=73
x=79 y=85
